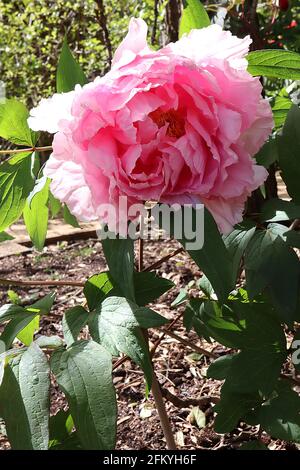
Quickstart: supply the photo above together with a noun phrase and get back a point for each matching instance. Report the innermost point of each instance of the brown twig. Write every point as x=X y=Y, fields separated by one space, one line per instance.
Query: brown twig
x=16 y=282
x=185 y=403
x=188 y=343
x=158 y=263
x=102 y=18
x=169 y=327
x=154 y=29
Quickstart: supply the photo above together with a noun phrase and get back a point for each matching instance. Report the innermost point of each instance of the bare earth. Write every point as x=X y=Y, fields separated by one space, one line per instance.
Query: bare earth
x=180 y=369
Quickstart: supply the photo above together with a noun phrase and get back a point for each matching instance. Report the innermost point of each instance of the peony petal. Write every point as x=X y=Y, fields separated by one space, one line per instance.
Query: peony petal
x=69 y=186
x=226 y=212
x=134 y=43
x=48 y=113
x=212 y=43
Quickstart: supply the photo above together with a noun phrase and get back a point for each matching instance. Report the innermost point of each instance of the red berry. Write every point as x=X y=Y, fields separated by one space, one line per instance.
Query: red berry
x=284 y=5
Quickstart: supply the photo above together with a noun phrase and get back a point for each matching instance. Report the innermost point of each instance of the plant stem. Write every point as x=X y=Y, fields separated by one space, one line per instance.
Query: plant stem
x=163 y=416
x=160 y=406
x=31 y=149
x=156 y=390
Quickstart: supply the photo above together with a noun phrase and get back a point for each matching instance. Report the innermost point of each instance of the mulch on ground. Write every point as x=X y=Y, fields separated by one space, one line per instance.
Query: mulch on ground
x=180 y=369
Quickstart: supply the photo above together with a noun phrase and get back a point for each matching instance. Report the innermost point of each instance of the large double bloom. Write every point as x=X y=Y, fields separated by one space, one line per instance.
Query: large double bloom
x=181 y=124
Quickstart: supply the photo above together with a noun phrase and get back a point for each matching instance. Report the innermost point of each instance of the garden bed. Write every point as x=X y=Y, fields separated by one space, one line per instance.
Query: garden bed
x=180 y=369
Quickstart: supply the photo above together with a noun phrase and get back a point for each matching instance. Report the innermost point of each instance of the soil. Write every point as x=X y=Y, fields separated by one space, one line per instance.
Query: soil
x=180 y=369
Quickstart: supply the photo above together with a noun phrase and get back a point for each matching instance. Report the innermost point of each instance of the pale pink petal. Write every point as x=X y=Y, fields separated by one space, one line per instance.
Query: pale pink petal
x=134 y=43
x=50 y=111
x=226 y=212
x=210 y=44
x=69 y=186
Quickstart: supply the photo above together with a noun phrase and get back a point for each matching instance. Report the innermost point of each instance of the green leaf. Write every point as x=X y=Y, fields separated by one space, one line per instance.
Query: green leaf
x=279 y=210
x=97 y=287
x=21 y=318
x=280 y=109
x=119 y=254
x=44 y=305
x=41 y=307
x=253 y=373
x=69 y=218
x=14 y=297
x=71 y=443
x=231 y=408
x=84 y=374
x=24 y=400
x=181 y=297
x=213 y=259
x=280 y=416
x=73 y=321
x=116 y=323
x=289 y=153
x=194 y=16
x=69 y=72
x=274 y=63
x=236 y=243
x=8 y=311
x=253 y=370
x=268 y=154
x=220 y=367
x=191 y=319
x=253 y=445
x=16 y=183
x=54 y=205
x=13 y=123
x=220 y=323
x=5 y=236
x=36 y=216
x=273 y=266
x=49 y=342
x=26 y=334
x=18 y=324
x=148 y=287
x=60 y=427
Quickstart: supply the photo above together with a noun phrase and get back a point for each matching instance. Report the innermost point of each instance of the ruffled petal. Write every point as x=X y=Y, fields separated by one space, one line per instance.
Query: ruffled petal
x=210 y=44
x=50 y=111
x=135 y=42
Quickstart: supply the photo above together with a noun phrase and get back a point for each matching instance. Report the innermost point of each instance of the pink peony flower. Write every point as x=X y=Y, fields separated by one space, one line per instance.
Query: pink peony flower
x=176 y=125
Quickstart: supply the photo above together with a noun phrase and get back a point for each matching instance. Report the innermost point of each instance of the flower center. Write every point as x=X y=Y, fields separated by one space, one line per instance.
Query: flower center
x=172 y=118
